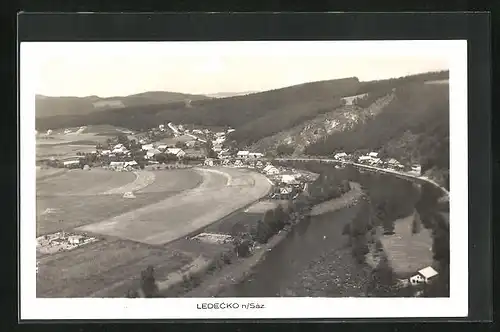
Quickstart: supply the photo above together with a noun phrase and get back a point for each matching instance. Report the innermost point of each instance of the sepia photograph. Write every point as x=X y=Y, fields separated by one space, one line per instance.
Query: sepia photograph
x=254 y=175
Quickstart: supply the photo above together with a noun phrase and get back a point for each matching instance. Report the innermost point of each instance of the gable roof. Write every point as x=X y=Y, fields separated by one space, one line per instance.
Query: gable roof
x=174 y=150
x=428 y=272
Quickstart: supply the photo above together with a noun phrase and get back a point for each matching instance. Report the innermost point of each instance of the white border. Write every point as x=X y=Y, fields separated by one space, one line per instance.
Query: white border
x=186 y=308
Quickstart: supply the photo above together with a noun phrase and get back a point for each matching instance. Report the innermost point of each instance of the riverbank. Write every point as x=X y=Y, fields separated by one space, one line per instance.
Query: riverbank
x=241 y=268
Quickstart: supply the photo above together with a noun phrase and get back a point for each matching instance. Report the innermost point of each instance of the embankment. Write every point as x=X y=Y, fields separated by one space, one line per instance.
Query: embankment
x=240 y=269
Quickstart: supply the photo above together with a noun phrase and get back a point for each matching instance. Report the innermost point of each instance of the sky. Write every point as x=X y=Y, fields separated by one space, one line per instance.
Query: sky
x=124 y=68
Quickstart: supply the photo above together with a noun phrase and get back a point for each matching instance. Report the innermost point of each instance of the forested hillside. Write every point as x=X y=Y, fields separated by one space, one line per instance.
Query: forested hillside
x=410 y=120
x=72 y=106
x=414 y=127
x=254 y=116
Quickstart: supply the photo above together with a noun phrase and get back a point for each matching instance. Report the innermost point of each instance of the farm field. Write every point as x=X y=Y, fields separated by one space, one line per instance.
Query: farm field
x=92 y=269
x=79 y=197
x=46 y=173
x=408 y=252
x=184 y=213
x=81 y=182
x=161 y=214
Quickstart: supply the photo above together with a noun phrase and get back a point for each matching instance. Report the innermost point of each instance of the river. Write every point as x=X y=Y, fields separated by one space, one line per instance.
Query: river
x=315 y=260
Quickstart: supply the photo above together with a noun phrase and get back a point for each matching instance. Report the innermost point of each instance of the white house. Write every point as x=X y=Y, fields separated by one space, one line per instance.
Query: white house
x=208 y=162
x=424 y=276
x=373 y=154
x=71 y=163
x=117 y=164
x=105 y=152
x=225 y=162
x=130 y=163
x=288 y=178
x=243 y=154
x=151 y=153
x=255 y=155
x=238 y=163
x=161 y=127
x=179 y=153
x=75 y=239
x=147 y=147
x=230 y=130
x=271 y=170
x=120 y=150
x=285 y=190
x=416 y=169
x=67 y=131
x=364 y=158
x=197 y=131
x=220 y=134
x=162 y=147
x=118 y=146
x=375 y=161
x=340 y=155
x=49 y=132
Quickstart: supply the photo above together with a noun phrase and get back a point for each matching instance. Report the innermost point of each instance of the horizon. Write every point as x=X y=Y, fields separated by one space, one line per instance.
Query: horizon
x=118 y=69
x=229 y=92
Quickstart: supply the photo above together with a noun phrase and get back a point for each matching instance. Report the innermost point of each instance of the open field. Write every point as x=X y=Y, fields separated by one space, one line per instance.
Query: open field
x=184 y=213
x=82 y=183
x=72 y=199
x=111 y=266
x=56 y=213
x=62 y=151
x=46 y=173
x=89 y=270
x=173 y=180
x=407 y=252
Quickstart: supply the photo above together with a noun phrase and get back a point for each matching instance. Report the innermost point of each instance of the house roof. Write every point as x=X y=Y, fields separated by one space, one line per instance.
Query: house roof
x=174 y=150
x=153 y=151
x=242 y=153
x=373 y=154
x=428 y=272
x=268 y=167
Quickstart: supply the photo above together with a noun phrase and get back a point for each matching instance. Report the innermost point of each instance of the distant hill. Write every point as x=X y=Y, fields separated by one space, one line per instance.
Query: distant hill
x=55 y=106
x=402 y=117
x=230 y=94
x=254 y=116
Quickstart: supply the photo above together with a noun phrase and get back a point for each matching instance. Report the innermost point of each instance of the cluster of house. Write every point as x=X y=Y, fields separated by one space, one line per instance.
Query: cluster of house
x=61 y=241
x=373 y=159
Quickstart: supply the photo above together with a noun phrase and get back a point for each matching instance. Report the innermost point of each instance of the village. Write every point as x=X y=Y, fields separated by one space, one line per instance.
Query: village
x=173 y=146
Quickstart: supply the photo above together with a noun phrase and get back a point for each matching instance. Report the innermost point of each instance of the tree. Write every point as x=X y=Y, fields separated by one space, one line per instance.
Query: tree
x=284 y=150
x=161 y=158
x=180 y=145
x=148 y=283
x=209 y=149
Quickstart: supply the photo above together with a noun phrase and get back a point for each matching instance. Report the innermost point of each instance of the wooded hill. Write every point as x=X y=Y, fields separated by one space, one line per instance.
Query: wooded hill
x=56 y=106
x=257 y=115
x=413 y=128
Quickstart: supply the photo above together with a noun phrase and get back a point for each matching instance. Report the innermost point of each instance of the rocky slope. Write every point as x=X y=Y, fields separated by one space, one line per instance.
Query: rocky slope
x=340 y=119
